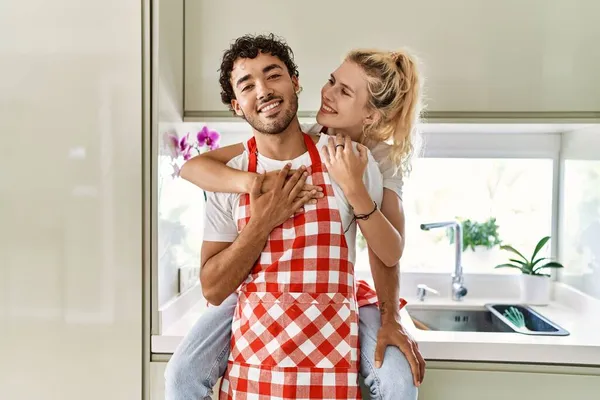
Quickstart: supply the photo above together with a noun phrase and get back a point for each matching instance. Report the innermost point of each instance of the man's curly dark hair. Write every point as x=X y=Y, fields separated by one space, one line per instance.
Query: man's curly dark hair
x=248 y=46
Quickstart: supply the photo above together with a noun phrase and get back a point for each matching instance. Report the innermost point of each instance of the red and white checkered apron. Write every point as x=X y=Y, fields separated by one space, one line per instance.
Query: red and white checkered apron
x=295 y=327
x=365 y=294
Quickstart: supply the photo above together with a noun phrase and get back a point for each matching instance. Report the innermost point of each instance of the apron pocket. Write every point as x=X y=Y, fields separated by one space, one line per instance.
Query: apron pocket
x=296 y=330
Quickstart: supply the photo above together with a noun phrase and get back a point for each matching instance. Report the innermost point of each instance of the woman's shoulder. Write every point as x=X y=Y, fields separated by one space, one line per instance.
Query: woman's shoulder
x=382 y=154
x=381 y=151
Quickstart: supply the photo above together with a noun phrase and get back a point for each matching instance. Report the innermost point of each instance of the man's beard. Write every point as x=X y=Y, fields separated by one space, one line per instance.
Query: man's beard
x=279 y=123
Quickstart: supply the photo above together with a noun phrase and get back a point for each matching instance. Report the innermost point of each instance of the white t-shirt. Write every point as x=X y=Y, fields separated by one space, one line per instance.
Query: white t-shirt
x=222 y=208
x=380 y=151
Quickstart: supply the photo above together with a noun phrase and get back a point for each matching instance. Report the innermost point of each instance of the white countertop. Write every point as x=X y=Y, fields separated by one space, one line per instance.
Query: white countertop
x=577 y=313
x=581 y=346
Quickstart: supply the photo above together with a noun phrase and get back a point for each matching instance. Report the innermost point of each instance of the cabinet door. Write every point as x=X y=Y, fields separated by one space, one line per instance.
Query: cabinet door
x=476 y=56
x=455 y=384
x=474 y=382
x=157 y=380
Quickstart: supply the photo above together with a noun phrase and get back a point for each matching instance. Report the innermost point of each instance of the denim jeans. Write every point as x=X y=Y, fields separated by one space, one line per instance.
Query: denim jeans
x=201 y=358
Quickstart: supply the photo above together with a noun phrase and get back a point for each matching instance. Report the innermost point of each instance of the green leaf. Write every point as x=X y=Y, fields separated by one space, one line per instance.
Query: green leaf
x=509 y=266
x=512 y=249
x=525 y=266
x=523 y=263
x=551 y=264
x=539 y=246
x=476 y=234
x=538 y=260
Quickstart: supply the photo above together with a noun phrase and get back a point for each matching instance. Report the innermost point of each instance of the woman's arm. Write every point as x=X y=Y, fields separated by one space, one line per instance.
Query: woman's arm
x=379 y=229
x=209 y=172
x=347 y=169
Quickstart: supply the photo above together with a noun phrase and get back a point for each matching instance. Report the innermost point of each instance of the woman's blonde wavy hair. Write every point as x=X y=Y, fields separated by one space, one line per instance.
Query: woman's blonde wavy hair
x=395 y=90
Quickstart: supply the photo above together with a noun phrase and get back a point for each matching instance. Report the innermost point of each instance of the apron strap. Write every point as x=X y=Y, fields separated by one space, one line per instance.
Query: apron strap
x=253 y=159
x=315 y=159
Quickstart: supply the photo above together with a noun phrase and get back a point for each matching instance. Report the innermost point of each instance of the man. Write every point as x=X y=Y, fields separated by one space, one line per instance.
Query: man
x=252 y=241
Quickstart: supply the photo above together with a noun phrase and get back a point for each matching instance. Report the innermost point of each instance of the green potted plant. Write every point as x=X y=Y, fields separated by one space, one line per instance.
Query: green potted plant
x=480 y=242
x=535 y=283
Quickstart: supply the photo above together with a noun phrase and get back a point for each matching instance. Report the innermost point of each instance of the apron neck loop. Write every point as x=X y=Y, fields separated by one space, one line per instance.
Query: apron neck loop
x=315 y=159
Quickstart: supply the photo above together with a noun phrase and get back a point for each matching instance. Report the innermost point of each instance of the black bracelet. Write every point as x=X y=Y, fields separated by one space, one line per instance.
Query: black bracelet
x=361 y=216
x=366 y=216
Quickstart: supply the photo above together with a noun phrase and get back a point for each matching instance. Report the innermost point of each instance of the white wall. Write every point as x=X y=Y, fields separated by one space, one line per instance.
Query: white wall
x=478 y=55
x=71 y=200
x=169 y=109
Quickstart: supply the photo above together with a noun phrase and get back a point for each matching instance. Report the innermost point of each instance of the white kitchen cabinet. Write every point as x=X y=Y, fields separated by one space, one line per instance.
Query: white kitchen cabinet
x=157 y=380
x=474 y=381
x=479 y=57
x=71 y=253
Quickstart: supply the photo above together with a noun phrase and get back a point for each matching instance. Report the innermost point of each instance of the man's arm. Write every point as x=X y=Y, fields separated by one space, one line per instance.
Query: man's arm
x=225 y=266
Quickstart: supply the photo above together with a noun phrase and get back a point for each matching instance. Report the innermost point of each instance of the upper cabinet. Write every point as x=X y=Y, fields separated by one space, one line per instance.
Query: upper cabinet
x=477 y=56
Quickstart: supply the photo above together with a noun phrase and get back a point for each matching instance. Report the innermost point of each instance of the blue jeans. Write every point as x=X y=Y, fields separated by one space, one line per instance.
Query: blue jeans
x=201 y=358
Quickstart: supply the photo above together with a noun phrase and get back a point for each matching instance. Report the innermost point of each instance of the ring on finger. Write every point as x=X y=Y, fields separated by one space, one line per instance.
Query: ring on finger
x=339 y=145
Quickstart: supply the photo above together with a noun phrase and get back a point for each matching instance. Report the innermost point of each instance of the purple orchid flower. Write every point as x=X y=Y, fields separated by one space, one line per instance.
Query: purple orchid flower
x=176 y=171
x=172 y=144
x=184 y=144
x=187 y=154
x=208 y=137
x=185 y=147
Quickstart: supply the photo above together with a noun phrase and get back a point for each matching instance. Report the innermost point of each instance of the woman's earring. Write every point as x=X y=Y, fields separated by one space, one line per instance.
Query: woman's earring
x=299 y=90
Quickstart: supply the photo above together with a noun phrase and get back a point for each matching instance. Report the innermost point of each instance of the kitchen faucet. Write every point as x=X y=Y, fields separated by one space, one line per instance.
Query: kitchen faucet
x=458 y=289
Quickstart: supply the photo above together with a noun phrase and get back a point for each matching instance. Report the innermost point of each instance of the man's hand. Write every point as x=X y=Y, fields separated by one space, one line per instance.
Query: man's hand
x=270 y=180
x=277 y=205
x=392 y=333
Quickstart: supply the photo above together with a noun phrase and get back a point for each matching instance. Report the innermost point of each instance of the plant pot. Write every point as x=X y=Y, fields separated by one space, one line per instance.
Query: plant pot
x=535 y=289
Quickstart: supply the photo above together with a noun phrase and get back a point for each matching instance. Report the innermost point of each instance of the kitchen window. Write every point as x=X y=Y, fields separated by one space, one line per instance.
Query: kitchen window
x=580 y=225
x=466 y=172
x=458 y=174
x=515 y=191
x=180 y=207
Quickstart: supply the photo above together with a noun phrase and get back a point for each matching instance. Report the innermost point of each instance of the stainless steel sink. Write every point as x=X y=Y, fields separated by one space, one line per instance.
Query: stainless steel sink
x=533 y=322
x=457 y=320
x=489 y=318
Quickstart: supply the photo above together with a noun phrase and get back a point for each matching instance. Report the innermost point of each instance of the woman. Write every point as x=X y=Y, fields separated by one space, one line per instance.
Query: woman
x=373 y=97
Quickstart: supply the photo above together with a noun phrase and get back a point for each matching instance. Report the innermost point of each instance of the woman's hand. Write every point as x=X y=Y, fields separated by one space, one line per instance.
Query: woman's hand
x=343 y=164
x=310 y=191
